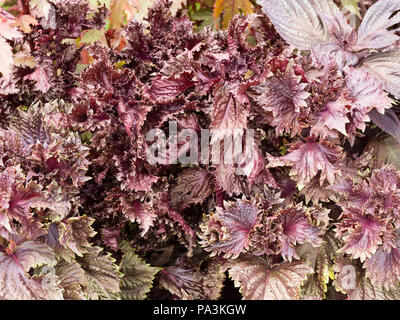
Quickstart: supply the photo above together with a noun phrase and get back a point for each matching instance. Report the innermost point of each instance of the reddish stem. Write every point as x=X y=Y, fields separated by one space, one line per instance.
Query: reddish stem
x=25 y=6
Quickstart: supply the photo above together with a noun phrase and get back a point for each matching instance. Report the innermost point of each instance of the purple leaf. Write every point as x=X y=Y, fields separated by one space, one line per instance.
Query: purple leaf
x=298 y=21
x=192 y=186
x=166 y=89
x=388 y=122
x=350 y=279
x=309 y=158
x=41 y=77
x=258 y=281
x=284 y=95
x=16 y=282
x=386 y=68
x=373 y=32
x=297 y=228
x=234 y=223
x=361 y=233
x=383 y=268
x=140 y=212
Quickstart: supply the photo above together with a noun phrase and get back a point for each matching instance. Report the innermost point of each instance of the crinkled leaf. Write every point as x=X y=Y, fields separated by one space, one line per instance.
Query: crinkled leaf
x=333 y=117
x=314 y=192
x=366 y=91
x=229 y=113
x=297 y=228
x=165 y=89
x=75 y=232
x=72 y=280
x=133 y=119
x=41 y=78
x=17 y=198
x=140 y=212
x=188 y=283
x=366 y=98
x=285 y=97
x=192 y=186
x=233 y=224
x=327 y=53
x=362 y=233
x=308 y=159
x=30 y=125
x=110 y=237
x=227 y=179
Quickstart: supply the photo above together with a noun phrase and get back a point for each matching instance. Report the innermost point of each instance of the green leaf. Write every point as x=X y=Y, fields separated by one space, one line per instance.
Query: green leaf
x=229 y=8
x=91 y=36
x=321 y=260
x=8 y=4
x=352 y=6
x=205 y=16
x=138 y=277
x=384 y=151
x=120 y=64
x=74 y=233
x=86 y=136
x=72 y=279
x=100 y=3
x=102 y=274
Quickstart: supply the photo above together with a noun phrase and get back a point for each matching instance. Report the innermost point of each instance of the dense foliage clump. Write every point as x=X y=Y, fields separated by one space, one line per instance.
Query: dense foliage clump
x=310 y=212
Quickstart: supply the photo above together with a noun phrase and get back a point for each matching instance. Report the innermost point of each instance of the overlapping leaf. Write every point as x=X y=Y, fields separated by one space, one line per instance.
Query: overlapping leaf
x=309 y=30
x=138 y=276
x=258 y=281
x=16 y=283
x=373 y=31
x=233 y=224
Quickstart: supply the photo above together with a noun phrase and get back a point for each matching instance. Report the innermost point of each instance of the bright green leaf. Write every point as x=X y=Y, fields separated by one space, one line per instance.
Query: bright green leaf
x=91 y=36
x=138 y=276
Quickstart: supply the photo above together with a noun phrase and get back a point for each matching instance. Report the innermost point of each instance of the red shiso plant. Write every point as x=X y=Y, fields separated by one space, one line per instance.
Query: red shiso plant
x=311 y=213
